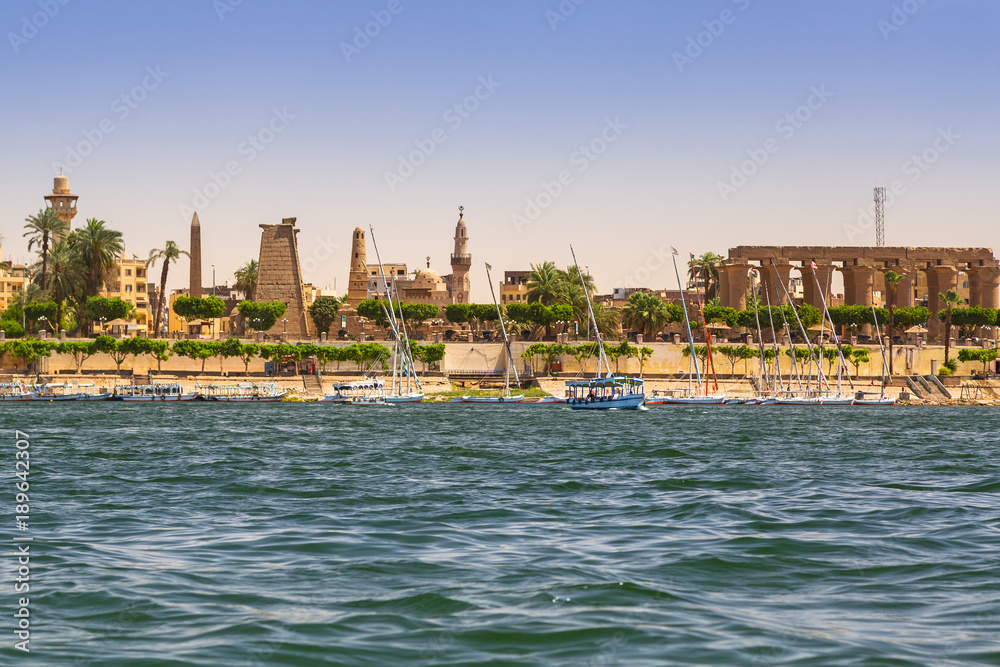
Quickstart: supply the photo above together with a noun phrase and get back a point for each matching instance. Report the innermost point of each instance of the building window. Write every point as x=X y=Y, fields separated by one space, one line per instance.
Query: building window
x=128 y=272
x=128 y=288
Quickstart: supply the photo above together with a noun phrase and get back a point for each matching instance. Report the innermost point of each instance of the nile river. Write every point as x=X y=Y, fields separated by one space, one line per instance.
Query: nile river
x=307 y=534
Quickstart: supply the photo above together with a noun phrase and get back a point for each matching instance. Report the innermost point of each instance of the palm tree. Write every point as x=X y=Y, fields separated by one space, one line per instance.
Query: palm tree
x=546 y=284
x=43 y=228
x=65 y=276
x=97 y=246
x=949 y=300
x=170 y=253
x=645 y=312
x=706 y=269
x=892 y=280
x=246 y=278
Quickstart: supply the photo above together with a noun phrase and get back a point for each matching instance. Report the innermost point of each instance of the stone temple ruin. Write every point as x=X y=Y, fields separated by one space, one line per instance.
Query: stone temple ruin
x=929 y=272
x=279 y=277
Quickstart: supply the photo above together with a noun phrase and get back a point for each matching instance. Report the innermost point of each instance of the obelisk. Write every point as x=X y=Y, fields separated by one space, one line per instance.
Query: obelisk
x=195 y=289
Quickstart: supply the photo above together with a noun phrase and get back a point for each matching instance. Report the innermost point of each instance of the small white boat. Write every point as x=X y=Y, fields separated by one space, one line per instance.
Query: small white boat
x=710 y=399
x=244 y=392
x=821 y=399
x=493 y=399
x=875 y=401
x=368 y=401
x=549 y=401
x=91 y=392
x=17 y=391
x=412 y=397
x=345 y=392
x=607 y=393
x=150 y=393
x=57 y=391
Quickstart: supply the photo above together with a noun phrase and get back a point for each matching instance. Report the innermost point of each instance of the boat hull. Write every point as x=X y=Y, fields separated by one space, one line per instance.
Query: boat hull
x=628 y=402
x=687 y=400
x=815 y=401
x=160 y=399
x=250 y=399
x=95 y=397
x=405 y=398
x=875 y=401
x=494 y=400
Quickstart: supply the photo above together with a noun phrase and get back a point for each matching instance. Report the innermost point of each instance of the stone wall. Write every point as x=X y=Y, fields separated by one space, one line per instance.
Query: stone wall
x=279 y=277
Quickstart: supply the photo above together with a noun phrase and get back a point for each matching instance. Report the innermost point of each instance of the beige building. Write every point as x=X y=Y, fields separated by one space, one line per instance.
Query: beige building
x=514 y=288
x=13 y=281
x=128 y=283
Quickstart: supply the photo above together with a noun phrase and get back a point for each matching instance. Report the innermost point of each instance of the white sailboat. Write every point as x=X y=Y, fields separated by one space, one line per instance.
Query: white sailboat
x=402 y=354
x=609 y=392
x=694 y=395
x=862 y=398
x=505 y=397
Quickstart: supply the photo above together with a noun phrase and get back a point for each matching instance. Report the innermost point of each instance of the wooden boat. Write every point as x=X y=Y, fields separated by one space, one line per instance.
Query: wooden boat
x=57 y=391
x=91 y=392
x=244 y=392
x=17 y=391
x=609 y=392
x=153 y=393
x=347 y=392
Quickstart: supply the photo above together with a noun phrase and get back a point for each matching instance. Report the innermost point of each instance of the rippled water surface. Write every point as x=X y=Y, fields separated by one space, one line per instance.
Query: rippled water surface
x=286 y=534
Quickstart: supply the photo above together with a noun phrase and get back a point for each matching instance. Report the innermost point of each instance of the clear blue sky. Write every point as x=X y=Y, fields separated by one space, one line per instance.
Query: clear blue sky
x=674 y=127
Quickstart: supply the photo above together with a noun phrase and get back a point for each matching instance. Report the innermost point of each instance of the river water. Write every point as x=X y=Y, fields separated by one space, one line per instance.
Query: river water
x=309 y=534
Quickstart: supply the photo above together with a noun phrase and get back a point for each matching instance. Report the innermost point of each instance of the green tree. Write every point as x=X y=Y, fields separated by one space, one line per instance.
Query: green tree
x=97 y=247
x=11 y=328
x=323 y=312
x=646 y=313
x=34 y=312
x=949 y=300
x=246 y=279
x=457 y=313
x=373 y=311
x=111 y=347
x=199 y=308
x=106 y=309
x=79 y=350
x=985 y=356
x=429 y=354
x=261 y=316
x=857 y=357
x=706 y=269
x=169 y=253
x=65 y=278
x=42 y=228
x=644 y=354
x=546 y=284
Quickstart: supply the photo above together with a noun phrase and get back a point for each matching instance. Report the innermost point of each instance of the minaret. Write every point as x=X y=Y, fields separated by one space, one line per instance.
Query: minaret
x=195 y=288
x=357 y=286
x=63 y=203
x=461 y=262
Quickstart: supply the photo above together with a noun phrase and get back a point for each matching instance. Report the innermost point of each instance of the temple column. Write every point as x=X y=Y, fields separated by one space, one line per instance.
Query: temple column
x=859 y=281
x=984 y=286
x=822 y=272
x=940 y=279
x=772 y=283
x=733 y=285
x=904 y=288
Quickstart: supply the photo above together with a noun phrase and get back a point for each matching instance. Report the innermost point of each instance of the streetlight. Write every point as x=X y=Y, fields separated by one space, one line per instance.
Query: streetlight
x=43 y=320
x=284 y=326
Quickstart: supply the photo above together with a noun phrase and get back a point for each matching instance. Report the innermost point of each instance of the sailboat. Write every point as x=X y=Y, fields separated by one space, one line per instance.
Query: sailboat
x=609 y=392
x=402 y=354
x=882 y=398
x=505 y=395
x=693 y=396
x=818 y=396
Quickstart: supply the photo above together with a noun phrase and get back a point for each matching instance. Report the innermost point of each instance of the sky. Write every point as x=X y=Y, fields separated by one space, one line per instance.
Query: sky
x=622 y=128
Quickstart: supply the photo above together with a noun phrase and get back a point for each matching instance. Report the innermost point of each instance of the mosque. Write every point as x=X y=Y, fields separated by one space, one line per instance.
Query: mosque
x=425 y=285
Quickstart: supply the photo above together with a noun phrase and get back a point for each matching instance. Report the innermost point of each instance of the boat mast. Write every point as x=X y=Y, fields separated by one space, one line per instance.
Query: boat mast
x=819 y=366
x=885 y=364
x=405 y=344
x=602 y=359
x=506 y=343
x=687 y=322
x=760 y=336
x=708 y=336
x=833 y=332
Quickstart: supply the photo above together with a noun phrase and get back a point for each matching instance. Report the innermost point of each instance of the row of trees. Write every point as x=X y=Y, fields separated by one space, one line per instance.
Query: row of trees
x=365 y=355
x=550 y=352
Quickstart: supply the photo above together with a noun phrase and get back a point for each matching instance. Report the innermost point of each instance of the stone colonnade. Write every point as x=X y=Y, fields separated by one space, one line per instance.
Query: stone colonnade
x=863 y=270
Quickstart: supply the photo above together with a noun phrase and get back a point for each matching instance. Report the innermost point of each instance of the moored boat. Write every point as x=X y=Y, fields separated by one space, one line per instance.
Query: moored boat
x=17 y=391
x=347 y=392
x=244 y=392
x=150 y=393
x=57 y=391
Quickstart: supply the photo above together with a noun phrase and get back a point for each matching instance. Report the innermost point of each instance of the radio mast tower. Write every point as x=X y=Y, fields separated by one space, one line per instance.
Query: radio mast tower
x=879 y=217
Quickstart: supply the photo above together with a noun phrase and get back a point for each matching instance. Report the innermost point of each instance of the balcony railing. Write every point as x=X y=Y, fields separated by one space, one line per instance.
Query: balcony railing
x=463 y=260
